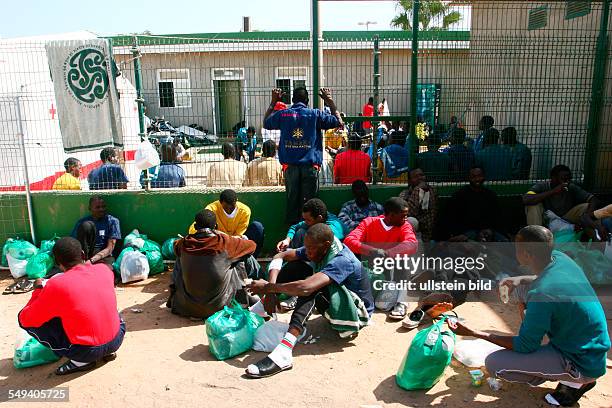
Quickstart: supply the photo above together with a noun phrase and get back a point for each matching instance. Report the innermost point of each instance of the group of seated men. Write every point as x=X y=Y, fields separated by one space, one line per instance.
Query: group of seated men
x=312 y=263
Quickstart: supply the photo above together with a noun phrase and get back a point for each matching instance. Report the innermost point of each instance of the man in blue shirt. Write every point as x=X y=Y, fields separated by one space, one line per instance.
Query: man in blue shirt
x=495 y=159
x=460 y=157
x=521 y=154
x=109 y=176
x=98 y=233
x=300 y=150
x=333 y=263
x=559 y=303
x=355 y=211
x=169 y=174
x=486 y=123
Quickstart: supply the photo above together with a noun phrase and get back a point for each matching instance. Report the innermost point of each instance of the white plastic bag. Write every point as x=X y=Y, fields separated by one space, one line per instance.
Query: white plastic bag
x=17 y=266
x=146 y=156
x=472 y=353
x=269 y=335
x=134 y=266
x=556 y=223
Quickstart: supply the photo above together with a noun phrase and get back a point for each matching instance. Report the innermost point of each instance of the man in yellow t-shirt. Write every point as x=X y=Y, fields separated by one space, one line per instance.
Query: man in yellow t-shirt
x=69 y=180
x=233 y=218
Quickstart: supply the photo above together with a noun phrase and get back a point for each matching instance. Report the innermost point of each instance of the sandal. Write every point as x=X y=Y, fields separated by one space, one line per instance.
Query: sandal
x=266 y=368
x=69 y=368
x=24 y=286
x=9 y=290
x=399 y=312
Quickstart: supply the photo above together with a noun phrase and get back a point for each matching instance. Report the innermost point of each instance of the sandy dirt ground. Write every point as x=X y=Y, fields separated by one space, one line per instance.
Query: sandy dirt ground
x=165 y=362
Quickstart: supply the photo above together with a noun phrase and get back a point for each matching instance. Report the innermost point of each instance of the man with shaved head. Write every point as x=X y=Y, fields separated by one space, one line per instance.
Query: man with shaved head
x=333 y=263
x=557 y=301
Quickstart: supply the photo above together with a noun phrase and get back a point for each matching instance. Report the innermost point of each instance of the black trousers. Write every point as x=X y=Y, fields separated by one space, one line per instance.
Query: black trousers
x=86 y=235
x=52 y=335
x=299 y=270
x=301 y=184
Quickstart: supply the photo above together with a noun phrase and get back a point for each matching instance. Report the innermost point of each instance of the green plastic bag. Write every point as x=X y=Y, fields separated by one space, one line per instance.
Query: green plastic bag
x=32 y=353
x=117 y=264
x=231 y=331
x=155 y=259
x=20 y=249
x=39 y=265
x=46 y=245
x=134 y=239
x=167 y=249
x=430 y=353
x=150 y=245
x=4 y=251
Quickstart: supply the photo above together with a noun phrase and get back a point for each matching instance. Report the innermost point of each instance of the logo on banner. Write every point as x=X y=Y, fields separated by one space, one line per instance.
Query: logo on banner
x=86 y=75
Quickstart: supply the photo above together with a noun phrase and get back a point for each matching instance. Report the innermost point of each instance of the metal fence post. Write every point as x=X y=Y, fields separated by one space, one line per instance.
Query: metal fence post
x=414 y=73
x=597 y=94
x=21 y=137
x=316 y=53
x=375 y=121
x=139 y=100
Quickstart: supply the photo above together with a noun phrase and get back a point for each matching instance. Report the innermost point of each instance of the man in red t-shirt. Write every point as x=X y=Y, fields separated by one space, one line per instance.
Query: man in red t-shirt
x=368 y=110
x=386 y=236
x=352 y=164
x=75 y=313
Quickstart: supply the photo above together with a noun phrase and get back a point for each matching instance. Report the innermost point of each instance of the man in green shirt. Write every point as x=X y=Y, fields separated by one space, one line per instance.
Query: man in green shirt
x=561 y=304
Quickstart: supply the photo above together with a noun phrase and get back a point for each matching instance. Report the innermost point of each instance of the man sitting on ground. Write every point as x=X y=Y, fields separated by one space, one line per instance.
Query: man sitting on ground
x=109 y=176
x=69 y=180
x=474 y=212
x=559 y=303
x=495 y=159
x=521 y=154
x=461 y=158
x=169 y=174
x=434 y=162
x=313 y=212
x=386 y=236
x=267 y=170
x=75 y=313
x=207 y=274
x=422 y=201
x=354 y=211
x=559 y=195
x=98 y=233
x=353 y=164
x=334 y=264
x=227 y=173
x=233 y=219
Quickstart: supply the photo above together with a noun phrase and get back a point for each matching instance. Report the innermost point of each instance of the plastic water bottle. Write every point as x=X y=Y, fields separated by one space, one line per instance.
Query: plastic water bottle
x=494 y=383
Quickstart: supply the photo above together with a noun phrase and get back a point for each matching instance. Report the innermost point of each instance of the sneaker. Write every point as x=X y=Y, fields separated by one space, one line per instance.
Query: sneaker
x=568 y=396
x=289 y=304
x=414 y=319
x=398 y=312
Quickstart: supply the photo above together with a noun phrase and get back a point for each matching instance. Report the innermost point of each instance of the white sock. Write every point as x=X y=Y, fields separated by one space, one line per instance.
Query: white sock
x=571 y=384
x=551 y=400
x=78 y=363
x=282 y=355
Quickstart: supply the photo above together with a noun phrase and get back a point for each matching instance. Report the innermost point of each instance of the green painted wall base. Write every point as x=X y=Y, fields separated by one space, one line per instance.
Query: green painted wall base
x=163 y=214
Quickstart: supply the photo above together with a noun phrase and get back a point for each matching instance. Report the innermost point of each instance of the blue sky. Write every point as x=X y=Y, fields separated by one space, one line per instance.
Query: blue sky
x=38 y=17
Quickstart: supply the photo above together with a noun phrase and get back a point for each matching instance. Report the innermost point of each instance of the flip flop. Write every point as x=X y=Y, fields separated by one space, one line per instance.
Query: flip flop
x=436 y=310
x=399 y=312
x=267 y=368
x=9 y=290
x=24 y=286
x=69 y=368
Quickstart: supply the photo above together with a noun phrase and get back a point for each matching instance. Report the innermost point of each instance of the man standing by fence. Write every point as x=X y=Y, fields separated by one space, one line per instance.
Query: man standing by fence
x=301 y=144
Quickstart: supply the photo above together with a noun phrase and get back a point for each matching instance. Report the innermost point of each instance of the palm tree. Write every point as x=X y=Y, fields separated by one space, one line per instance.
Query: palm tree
x=430 y=13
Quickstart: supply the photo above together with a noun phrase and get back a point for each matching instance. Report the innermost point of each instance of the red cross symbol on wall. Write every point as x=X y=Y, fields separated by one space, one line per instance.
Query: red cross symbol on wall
x=52 y=111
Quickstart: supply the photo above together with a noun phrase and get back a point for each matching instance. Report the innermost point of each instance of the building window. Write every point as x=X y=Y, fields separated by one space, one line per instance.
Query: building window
x=538 y=18
x=574 y=9
x=289 y=78
x=174 y=88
